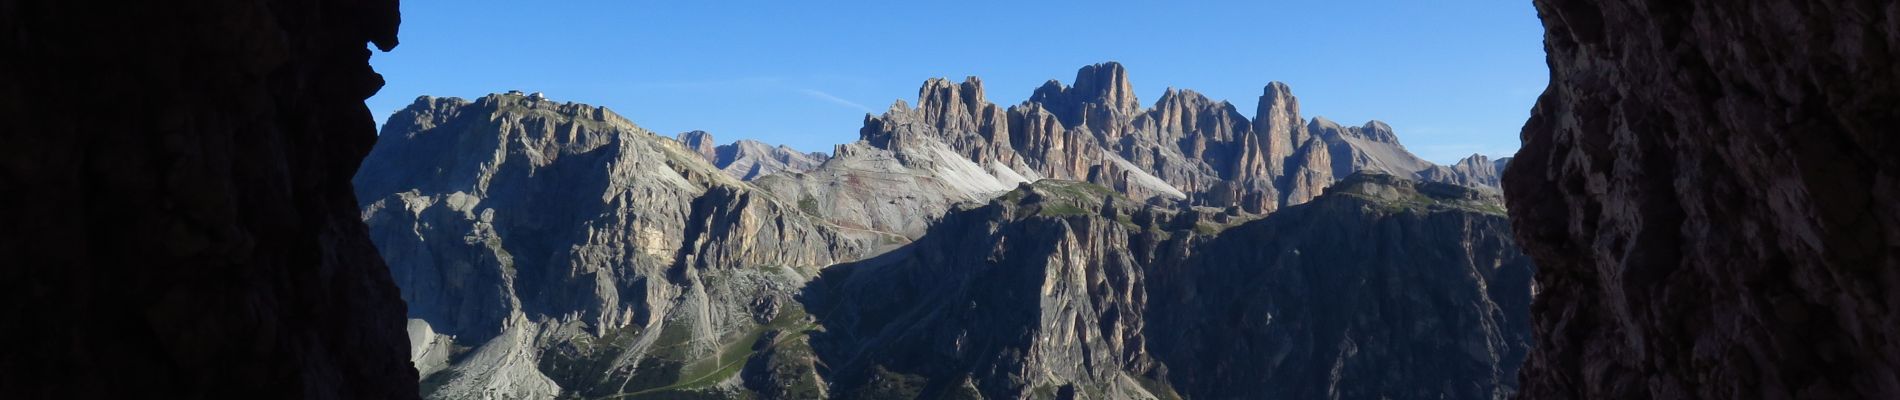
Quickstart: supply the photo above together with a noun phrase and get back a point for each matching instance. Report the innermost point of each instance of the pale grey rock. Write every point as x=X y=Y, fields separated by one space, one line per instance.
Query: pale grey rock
x=556 y=250
x=558 y=244
x=700 y=142
x=750 y=159
x=1478 y=171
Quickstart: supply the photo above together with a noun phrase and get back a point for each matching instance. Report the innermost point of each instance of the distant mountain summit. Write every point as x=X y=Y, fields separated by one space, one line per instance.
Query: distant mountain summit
x=1073 y=246
x=957 y=146
x=750 y=159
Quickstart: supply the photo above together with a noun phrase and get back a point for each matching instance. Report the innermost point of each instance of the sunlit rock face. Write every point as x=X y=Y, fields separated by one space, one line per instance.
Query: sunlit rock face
x=178 y=213
x=1711 y=191
x=556 y=250
x=955 y=145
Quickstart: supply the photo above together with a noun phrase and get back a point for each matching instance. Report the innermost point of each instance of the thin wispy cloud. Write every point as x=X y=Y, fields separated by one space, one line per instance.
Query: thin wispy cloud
x=713 y=84
x=821 y=95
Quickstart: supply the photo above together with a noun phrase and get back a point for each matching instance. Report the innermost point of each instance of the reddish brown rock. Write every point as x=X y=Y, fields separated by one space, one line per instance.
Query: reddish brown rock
x=1711 y=191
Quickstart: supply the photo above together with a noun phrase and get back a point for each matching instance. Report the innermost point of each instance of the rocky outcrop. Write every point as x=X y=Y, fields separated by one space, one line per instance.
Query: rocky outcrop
x=1712 y=192
x=550 y=248
x=700 y=142
x=750 y=159
x=1066 y=289
x=1479 y=171
x=1374 y=147
x=912 y=164
x=178 y=214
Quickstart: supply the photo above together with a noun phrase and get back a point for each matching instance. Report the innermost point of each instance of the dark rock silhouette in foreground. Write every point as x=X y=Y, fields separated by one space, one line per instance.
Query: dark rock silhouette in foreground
x=1712 y=192
x=178 y=212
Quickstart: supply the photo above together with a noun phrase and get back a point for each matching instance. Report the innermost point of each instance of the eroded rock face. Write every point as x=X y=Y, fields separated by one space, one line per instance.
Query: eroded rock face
x=550 y=248
x=1711 y=190
x=1186 y=147
x=556 y=250
x=1382 y=288
x=179 y=219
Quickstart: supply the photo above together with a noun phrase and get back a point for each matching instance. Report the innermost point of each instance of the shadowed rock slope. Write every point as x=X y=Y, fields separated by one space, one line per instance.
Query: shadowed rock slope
x=178 y=214
x=550 y=248
x=555 y=249
x=1382 y=288
x=1712 y=192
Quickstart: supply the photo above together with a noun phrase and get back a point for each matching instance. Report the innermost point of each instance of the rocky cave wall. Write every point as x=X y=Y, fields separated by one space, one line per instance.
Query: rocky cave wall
x=175 y=184
x=1709 y=188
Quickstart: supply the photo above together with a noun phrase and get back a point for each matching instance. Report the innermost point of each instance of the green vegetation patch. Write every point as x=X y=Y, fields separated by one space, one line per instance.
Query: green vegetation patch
x=808 y=205
x=731 y=356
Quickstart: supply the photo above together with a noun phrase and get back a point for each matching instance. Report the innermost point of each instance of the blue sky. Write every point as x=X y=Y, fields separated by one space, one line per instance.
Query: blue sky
x=1453 y=77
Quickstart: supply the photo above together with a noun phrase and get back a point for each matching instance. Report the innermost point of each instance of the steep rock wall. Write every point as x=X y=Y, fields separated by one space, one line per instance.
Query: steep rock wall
x=1710 y=189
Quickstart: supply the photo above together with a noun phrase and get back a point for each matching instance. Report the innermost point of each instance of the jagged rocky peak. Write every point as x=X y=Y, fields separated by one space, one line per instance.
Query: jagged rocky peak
x=751 y=159
x=1100 y=94
x=1106 y=84
x=1479 y=170
x=1282 y=131
x=546 y=248
x=700 y=142
x=957 y=114
x=748 y=159
x=948 y=105
x=1373 y=131
x=1181 y=112
x=1278 y=118
x=1186 y=147
x=1378 y=131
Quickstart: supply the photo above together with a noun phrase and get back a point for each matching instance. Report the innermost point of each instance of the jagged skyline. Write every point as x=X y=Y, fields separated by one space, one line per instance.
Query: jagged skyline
x=1450 y=77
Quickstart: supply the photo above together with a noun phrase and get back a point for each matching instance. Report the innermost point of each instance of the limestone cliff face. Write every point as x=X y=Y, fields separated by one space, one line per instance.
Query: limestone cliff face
x=1479 y=171
x=912 y=164
x=550 y=248
x=1185 y=148
x=1712 y=192
x=178 y=218
x=700 y=142
x=1381 y=288
x=554 y=249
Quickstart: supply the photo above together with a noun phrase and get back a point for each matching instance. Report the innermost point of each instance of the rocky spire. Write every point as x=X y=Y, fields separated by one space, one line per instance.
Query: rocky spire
x=1101 y=99
x=1378 y=131
x=698 y=141
x=952 y=106
x=1105 y=84
x=1277 y=121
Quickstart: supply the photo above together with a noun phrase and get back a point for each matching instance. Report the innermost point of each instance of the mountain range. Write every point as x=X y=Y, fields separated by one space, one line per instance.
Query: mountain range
x=1076 y=245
